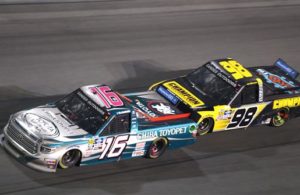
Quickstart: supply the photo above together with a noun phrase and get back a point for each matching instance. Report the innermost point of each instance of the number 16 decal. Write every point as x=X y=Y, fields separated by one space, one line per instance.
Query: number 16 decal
x=106 y=96
x=242 y=117
x=114 y=146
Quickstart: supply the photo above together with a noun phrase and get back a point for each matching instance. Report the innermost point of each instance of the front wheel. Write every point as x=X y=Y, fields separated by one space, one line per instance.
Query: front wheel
x=157 y=148
x=280 y=118
x=205 y=126
x=70 y=159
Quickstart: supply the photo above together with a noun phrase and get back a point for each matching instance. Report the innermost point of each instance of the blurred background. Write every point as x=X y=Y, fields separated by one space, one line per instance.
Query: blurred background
x=51 y=47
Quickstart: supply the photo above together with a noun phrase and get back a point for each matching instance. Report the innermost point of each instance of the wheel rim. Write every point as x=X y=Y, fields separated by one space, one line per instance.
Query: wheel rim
x=69 y=159
x=279 y=120
x=204 y=126
x=156 y=148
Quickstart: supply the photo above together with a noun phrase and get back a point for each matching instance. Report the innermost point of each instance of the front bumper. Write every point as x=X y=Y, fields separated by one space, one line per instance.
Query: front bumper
x=37 y=162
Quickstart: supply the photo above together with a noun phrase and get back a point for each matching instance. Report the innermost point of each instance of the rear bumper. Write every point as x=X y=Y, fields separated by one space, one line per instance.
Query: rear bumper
x=39 y=163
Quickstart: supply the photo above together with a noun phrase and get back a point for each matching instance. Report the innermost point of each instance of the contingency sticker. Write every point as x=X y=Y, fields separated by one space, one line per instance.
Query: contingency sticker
x=183 y=94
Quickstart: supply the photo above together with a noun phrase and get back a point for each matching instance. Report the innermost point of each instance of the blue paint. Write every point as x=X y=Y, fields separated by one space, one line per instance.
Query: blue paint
x=286 y=68
x=168 y=95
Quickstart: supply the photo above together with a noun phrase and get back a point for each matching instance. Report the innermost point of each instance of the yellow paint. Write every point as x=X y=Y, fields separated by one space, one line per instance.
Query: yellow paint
x=259 y=81
x=287 y=102
x=91 y=141
x=235 y=69
x=220 y=123
x=252 y=83
x=183 y=94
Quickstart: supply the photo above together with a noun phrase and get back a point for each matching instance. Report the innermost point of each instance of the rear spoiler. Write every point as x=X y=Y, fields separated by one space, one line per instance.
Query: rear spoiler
x=286 y=68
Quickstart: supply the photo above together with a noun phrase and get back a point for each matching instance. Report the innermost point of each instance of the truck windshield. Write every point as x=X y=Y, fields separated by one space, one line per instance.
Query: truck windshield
x=211 y=85
x=77 y=110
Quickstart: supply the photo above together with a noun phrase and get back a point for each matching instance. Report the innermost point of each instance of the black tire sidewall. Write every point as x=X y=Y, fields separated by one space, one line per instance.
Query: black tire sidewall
x=161 y=151
x=285 y=120
x=209 y=127
x=75 y=160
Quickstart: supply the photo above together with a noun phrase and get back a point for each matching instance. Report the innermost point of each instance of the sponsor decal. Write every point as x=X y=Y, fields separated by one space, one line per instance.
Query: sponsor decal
x=168 y=95
x=161 y=108
x=140 y=145
x=145 y=108
x=147 y=135
x=42 y=125
x=267 y=121
x=51 y=163
x=260 y=90
x=224 y=115
x=287 y=102
x=279 y=82
x=160 y=133
x=96 y=144
x=138 y=153
x=221 y=75
x=59 y=123
x=193 y=129
x=91 y=141
x=183 y=94
x=286 y=68
x=173 y=131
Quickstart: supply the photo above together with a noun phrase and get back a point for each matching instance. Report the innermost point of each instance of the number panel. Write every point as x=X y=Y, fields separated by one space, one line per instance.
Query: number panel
x=111 y=97
x=236 y=119
x=118 y=147
x=107 y=97
x=248 y=116
x=95 y=91
x=242 y=118
x=114 y=146
x=236 y=69
x=108 y=142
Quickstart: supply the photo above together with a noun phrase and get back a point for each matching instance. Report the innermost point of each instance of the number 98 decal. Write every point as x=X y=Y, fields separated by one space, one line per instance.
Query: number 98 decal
x=242 y=117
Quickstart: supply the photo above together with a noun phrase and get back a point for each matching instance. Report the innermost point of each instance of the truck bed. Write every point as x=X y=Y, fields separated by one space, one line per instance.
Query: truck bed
x=277 y=83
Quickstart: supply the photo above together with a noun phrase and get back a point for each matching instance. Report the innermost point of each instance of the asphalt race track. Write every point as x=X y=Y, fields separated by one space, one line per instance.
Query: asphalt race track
x=50 y=49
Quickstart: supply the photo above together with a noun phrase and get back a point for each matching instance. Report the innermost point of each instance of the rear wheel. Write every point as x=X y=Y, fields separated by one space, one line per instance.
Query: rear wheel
x=280 y=118
x=205 y=126
x=70 y=159
x=157 y=148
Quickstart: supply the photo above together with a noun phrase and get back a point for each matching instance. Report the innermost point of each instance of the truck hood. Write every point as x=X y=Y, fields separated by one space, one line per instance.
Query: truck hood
x=48 y=122
x=185 y=93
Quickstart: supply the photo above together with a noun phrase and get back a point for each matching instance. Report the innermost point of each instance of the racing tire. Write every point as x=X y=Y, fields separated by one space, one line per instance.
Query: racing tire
x=157 y=148
x=205 y=126
x=280 y=118
x=70 y=159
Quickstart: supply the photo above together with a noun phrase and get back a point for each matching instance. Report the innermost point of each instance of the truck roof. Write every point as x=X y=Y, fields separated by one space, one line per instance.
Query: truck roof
x=235 y=71
x=275 y=80
x=148 y=105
